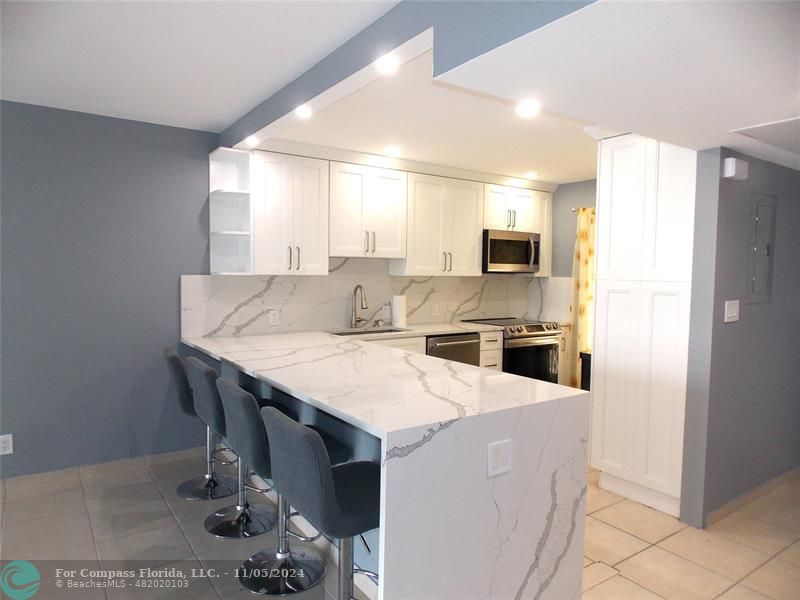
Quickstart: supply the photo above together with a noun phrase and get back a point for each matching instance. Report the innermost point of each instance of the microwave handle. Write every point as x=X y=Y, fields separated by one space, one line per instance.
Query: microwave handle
x=533 y=251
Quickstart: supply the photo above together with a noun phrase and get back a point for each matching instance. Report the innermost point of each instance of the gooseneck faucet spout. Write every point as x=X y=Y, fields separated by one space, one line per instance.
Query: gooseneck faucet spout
x=355 y=320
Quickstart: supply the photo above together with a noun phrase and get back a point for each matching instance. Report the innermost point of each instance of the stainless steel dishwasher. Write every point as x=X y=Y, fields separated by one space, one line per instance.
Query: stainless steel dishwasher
x=459 y=347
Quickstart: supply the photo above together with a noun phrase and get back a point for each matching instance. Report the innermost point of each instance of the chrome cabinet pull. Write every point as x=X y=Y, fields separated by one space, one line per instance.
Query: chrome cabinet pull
x=491 y=366
x=508 y=219
x=513 y=218
x=373 y=242
x=297 y=268
x=451 y=261
x=366 y=241
x=290 y=258
x=444 y=256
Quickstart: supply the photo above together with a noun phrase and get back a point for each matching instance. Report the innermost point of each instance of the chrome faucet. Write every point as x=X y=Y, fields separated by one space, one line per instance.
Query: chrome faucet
x=355 y=320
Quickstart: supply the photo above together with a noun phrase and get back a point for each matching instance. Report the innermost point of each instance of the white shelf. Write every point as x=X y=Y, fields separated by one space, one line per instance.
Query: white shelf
x=230 y=232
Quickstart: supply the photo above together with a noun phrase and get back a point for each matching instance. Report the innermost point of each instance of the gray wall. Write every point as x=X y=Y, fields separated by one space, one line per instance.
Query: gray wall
x=99 y=218
x=565 y=222
x=463 y=30
x=753 y=406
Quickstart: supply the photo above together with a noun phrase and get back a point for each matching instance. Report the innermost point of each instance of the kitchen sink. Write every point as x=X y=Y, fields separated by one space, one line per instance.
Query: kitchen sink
x=367 y=331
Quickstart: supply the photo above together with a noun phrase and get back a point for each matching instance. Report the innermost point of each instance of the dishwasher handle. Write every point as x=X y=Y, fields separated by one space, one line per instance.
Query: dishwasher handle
x=459 y=343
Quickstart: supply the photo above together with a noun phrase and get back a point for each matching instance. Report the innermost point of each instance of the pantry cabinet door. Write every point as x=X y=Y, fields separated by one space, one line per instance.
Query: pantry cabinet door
x=615 y=378
x=272 y=188
x=385 y=212
x=348 y=236
x=310 y=216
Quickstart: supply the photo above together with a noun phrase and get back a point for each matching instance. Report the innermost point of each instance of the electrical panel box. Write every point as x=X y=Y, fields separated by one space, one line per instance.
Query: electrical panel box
x=761 y=249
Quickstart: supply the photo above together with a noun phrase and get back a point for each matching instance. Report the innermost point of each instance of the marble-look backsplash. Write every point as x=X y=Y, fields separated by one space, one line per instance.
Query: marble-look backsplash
x=241 y=305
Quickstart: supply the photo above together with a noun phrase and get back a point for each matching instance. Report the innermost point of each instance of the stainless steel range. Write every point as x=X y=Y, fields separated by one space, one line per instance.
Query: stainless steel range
x=530 y=348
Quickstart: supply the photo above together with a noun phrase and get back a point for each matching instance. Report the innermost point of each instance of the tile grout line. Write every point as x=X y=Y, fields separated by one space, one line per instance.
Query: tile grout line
x=180 y=527
x=91 y=527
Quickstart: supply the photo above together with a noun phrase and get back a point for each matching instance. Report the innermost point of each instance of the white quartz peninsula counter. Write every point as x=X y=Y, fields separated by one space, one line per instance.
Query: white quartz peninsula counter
x=447 y=529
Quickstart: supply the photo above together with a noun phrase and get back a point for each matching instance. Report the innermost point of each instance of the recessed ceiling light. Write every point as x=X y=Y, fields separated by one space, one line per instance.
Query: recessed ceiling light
x=528 y=108
x=251 y=141
x=531 y=175
x=393 y=151
x=303 y=111
x=387 y=64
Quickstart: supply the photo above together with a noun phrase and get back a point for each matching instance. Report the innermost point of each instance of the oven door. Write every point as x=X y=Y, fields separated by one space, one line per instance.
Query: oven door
x=510 y=251
x=536 y=358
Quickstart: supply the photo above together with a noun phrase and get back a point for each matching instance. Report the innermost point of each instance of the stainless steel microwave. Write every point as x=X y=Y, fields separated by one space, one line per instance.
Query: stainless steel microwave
x=510 y=251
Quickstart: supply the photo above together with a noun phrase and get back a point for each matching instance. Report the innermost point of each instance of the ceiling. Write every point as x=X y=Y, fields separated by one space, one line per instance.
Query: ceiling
x=200 y=65
x=684 y=72
x=438 y=124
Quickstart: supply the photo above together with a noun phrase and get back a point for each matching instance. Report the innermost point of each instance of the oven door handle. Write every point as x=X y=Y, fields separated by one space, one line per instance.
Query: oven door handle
x=534 y=341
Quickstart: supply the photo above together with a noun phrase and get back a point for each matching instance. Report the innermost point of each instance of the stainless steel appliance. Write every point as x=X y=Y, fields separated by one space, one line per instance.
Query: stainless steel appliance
x=510 y=251
x=530 y=348
x=460 y=347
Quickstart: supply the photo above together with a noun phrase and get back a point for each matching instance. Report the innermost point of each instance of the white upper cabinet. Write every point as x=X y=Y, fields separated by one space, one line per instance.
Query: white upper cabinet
x=510 y=208
x=367 y=211
x=290 y=215
x=645 y=207
x=444 y=225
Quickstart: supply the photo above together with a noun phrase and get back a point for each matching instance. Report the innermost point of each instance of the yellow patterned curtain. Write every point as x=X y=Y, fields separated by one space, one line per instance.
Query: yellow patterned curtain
x=583 y=272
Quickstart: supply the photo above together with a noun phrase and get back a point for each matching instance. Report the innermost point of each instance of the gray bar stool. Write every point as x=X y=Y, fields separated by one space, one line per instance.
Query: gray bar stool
x=293 y=569
x=209 y=486
x=341 y=501
x=240 y=520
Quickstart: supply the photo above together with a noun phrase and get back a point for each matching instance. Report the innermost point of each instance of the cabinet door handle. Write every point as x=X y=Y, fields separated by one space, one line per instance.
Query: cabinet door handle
x=451 y=261
x=373 y=242
x=290 y=258
x=297 y=268
x=508 y=219
x=513 y=219
x=444 y=256
x=491 y=366
x=366 y=241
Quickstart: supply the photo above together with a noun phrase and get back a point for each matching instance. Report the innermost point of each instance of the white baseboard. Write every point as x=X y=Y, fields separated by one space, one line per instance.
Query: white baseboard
x=634 y=491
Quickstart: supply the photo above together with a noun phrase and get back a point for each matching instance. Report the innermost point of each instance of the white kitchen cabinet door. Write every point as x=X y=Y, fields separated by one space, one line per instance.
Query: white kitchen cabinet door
x=496 y=209
x=272 y=188
x=663 y=352
x=385 y=213
x=615 y=377
x=524 y=210
x=424 y=252
x=626 y=185
x=348 y=233
x=462 y=240
x=310 y=216
x=669 y=216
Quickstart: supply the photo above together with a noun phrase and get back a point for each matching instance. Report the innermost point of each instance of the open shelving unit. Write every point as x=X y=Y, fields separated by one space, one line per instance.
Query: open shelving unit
x=230 y=212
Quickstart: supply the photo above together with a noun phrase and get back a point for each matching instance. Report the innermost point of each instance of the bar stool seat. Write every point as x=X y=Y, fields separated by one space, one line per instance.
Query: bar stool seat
x=340 y=501
x=210 y=486
x=240 y=520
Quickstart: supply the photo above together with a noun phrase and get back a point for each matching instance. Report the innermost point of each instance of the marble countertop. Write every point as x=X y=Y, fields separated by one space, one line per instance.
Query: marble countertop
x=376 y=388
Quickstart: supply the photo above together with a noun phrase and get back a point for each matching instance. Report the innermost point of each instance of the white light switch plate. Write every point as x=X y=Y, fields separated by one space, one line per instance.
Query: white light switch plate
x=274 y=317
x=731 y=311
x=499 y=458
x=434 y=310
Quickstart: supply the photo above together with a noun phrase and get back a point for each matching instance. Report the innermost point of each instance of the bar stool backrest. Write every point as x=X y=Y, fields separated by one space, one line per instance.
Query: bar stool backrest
x=246 y=433
x=301 y=470
x=177 y=371
x=207 y=403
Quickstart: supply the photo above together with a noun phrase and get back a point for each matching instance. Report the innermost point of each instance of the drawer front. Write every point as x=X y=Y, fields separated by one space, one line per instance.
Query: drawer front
x=492 y=340
x=492 y=359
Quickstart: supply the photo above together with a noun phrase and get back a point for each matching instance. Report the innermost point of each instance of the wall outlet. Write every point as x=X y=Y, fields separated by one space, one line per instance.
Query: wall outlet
x=434 y=310
x=274 y=317
x=499 y=458
x=731 y=311
x=386 y=312
x=7 y=444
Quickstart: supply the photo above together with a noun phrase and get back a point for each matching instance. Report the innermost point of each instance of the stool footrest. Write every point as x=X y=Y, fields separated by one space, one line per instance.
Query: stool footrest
x=303 y=538
x=371 y=574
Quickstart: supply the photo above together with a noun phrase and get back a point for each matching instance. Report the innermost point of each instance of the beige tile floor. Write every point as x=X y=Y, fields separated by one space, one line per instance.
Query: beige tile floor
x=128 y=511
x=634 y=552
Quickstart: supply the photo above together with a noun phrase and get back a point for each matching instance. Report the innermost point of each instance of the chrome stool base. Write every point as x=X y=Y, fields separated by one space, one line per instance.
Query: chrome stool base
x=205 y=488
x=268 y=574
x=237 y=522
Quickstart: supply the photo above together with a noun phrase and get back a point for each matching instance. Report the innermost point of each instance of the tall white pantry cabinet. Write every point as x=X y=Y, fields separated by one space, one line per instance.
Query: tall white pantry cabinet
x=645 y=212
